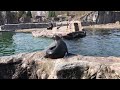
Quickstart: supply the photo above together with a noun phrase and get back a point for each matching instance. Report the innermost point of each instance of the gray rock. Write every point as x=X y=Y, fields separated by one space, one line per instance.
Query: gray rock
x=100 y=17
x=34 y=66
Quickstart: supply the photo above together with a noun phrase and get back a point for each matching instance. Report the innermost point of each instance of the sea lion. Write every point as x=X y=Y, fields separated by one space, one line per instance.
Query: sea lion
x=58 y=49
x=75 y=35
x=51 y=27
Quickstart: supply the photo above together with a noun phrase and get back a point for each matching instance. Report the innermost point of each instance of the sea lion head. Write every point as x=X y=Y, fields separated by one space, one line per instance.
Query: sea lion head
x=56 y=37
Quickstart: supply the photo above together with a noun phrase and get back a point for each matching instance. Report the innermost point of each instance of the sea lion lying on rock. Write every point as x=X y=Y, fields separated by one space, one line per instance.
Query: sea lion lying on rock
x=50 y=27
x=57 y=50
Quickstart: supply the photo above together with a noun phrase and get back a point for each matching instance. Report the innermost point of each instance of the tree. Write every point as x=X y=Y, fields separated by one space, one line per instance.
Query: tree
x=29 y=14
x=68 y=13
x=49 y=14
x=1 y=18
x=11 y=17
x=20 y=14
x=26 y=16
x=52 y=14
x=8 y=17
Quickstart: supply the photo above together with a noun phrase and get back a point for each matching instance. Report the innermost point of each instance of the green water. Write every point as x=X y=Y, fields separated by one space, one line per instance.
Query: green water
x=96 y=43
x=14 y=43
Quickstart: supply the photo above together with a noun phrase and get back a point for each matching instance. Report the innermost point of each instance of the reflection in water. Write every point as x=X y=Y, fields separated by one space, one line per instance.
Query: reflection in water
x=6 y=43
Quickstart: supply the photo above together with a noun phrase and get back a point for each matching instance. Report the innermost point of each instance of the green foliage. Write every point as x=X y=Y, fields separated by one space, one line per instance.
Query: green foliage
x=1 y=18
x=11 y=17
x=0 y=14
x=29 y=14
x=20 y=14
x=52 y=14
x=49 y=14
x=8 y=16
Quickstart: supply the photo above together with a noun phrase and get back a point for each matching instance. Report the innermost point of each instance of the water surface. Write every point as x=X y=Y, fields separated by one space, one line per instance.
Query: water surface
x=96 y=43
x=14 y=43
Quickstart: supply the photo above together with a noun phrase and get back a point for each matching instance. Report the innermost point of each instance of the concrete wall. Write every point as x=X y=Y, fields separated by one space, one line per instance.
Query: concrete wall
x=12 y=27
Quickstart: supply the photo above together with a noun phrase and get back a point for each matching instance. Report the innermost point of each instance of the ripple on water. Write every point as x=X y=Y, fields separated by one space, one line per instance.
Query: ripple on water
x=96 y=43
x=21 y=42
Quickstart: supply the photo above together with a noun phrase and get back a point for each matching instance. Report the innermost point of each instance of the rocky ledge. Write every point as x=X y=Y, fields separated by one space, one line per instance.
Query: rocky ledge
x=35 y=66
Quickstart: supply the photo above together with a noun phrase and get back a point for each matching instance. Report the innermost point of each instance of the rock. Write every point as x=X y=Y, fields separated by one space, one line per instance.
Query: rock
x=35 y=66
x=117 y=22
x=100 y=17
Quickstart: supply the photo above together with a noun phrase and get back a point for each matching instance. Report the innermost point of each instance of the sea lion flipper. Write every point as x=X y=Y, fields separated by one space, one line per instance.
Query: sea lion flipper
x=51 y=46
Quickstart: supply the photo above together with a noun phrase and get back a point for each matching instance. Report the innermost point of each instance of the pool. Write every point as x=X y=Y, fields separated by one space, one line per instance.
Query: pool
x=96 y=43
x=14 y=43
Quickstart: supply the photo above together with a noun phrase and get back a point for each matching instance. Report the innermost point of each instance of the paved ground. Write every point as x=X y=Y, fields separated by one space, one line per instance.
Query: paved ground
x=104 y=26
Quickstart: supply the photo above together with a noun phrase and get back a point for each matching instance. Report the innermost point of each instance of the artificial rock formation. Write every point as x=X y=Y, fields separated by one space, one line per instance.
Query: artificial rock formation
x=100 y=17
x=35 y=66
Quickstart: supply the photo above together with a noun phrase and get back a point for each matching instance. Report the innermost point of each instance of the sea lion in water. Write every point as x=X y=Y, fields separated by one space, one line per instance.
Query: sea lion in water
x=57 y=50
